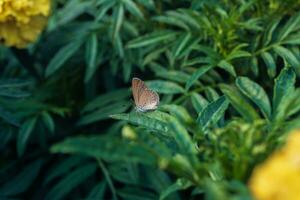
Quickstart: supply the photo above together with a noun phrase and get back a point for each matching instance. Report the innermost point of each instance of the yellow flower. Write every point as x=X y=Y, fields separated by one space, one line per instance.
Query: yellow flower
x=21 y=21
x=279 y=176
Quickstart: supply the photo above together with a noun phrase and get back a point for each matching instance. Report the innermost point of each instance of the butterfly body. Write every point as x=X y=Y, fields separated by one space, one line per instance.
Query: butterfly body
x=144 y=98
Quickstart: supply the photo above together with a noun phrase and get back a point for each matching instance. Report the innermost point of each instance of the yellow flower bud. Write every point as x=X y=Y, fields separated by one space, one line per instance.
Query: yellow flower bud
x=279 y=176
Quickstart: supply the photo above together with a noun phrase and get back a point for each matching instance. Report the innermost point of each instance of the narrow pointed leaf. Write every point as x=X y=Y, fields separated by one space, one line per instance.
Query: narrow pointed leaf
x=118 y=19
x=48 y=121
x=72 y=180
x=213 y=112
x=62 y=56
x=270 y=62
x=104 y=113
x=90 y=56
x=133 y=8
x=284 y=85
x=256 y=94
x=23 y=180
x=180 y=184
x=165 y=87
x=24 y=134
x=239 y=103
x=199 y=102
x=151 y=38
x=227 y=66
x=196 y=75
x=288 y=56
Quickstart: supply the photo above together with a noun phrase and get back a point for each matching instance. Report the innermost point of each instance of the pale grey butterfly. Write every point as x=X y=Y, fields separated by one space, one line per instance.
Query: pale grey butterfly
x=144 y=98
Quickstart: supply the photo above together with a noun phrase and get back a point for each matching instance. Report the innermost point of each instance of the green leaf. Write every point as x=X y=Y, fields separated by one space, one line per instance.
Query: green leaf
x=23 y=180
x=104 y=9
x=171 y=21
x=284 y=86
x=13 y=93
x=183 y=139
x=118 y=20
x=97 y=192
x=62 y=56
x=254 y=65
x=104 y=112
x=211 y=94
x=270 y=62
x=270 y=31
x=71 y=10
x=24 y=134
x=196 y=75
x=198 y=101
x=9 y=117
x=148 y=4
x=293 y=103
x=133 y=9
x=153 y=121
x=90 y=56
x=165 y=87
x=183 y=16
x=180 y=184
x=152 y=38
x=237 y=54
x=176 y=76
x=181 y=44
x=71 y=181
x=154 y=55
x=287 y=55
x=256 y=93
x=135 y=193
x=289 y=27
x=107 y=98
x=227 y=66
x=213 y=112
x=108 y=148
x=48 y=121
x=64 y=167
x=239 y=103
x=293 y=39
x=179 y=111
x=172 y=75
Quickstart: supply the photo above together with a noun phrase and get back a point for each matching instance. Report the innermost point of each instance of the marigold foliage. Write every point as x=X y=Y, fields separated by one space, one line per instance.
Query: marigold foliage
x=22 y=21
x=278 y=177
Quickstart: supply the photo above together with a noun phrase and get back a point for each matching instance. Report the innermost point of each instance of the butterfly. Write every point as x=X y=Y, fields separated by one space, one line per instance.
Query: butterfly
x=144 y=98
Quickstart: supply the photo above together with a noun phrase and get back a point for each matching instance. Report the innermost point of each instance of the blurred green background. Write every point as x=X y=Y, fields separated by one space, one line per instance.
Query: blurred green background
x=226 y=71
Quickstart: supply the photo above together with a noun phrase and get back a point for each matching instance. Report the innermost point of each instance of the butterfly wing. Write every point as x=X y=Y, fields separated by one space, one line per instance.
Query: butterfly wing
x=137 y=85
x=144 y=98
x=148 y=100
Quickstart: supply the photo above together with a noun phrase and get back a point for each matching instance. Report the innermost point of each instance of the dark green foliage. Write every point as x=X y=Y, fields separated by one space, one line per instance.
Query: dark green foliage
x=227 y=73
